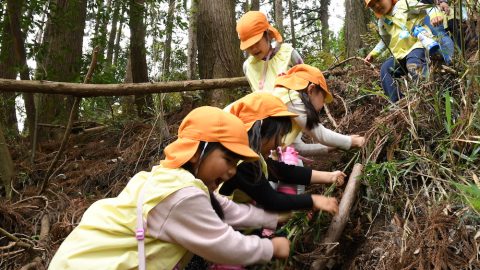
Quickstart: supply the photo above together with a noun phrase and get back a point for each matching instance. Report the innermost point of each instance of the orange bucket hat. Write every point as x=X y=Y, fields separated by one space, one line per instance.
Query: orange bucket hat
x=251 y=26
x=208 y=124
x=258 y=106
x=299 y=76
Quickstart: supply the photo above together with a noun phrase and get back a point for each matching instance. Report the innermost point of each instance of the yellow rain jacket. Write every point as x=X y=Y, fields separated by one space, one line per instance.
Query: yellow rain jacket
x=287 y=95
x=279 y=63
x=401 y=20
x=105 y=238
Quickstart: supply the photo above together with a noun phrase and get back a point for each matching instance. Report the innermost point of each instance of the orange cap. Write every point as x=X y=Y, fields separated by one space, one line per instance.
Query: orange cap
x=258 y=106
x=250 y=29
x=208 y=124
x=299 y=76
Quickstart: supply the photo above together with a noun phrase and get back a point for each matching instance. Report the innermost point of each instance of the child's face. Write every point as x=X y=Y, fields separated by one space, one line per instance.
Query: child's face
x=260 y=49
x=317 y=96
x=269 y=144
x=216 y=168
x=381 y=7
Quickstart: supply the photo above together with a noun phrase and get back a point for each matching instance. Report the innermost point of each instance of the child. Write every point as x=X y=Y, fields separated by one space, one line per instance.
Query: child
x=304 y=90
x=268 y=120
x=175 y=206
x=265 y=62
x=395 y=24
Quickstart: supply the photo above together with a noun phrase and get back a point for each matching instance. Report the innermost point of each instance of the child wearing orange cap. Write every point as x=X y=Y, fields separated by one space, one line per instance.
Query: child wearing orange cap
x=166 y=214
x=268 y=120
x=265 y=62
x=304 y=90
x=400 y=28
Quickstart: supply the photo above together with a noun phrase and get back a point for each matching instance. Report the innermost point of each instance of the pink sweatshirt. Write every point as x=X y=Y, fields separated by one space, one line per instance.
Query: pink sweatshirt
x=187 y=218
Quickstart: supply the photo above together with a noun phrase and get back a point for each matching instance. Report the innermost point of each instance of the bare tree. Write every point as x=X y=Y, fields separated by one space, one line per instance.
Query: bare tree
x=355 y=26
x=255 y=5
x=279 y=15
x=138 y=57
x=323 y=13
x=219 y=55
x=192 y=40
x=6 y=165
x=116 y=49
x=113 y=32
x=292 y=23
x=168 y=40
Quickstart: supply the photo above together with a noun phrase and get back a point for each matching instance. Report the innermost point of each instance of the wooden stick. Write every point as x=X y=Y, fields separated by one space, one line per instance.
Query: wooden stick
x=18 y=242
x=340 y=220
x=124 y=89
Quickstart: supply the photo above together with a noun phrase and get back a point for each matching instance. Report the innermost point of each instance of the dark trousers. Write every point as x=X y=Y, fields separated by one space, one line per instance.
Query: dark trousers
x=414 y=64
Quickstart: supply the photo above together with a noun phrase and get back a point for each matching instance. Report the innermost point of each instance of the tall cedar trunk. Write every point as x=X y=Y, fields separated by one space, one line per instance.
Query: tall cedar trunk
x=7 y=71
x=255 y=5
x=113 y=32
x=192 y=40
x=14 y=8
x=168 y=41
x=355 y=25
x=138 y=55
x=325 y=28
x=279 y=16
x=118 y=37
x=101 y=21
x=292 y=23
x=219 y=55
x=128 y=102
x=63 y=55
x=6 y=165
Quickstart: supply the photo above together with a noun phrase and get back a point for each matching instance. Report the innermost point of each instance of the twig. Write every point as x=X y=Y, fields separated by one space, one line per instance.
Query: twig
x=18 y=242
x=36 y=264
x=330 y=117
x=350 y=59
x=73 y=111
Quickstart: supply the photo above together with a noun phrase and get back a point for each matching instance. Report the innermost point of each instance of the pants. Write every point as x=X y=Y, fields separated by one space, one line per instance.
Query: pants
x=414 y=64
x=446 y=43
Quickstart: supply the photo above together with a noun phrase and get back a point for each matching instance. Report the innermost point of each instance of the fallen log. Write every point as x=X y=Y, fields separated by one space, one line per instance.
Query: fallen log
x=340 y=220
x=124 y=89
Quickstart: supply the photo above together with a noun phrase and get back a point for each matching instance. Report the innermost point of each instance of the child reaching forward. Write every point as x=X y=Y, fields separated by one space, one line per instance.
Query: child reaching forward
x=268 y=121
x=304 y=90
x=163 y=215
x=396 y=24
x=265 y=62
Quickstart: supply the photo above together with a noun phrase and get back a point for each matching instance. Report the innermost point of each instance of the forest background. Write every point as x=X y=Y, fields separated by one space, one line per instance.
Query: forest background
x=421 y=161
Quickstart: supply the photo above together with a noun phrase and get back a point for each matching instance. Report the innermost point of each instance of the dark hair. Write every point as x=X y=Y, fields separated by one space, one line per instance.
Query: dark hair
x=267 y=129
x=209 y=149
x=313 y=116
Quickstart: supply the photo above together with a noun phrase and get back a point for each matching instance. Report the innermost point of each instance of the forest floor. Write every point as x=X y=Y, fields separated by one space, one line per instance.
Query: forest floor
x=393 y=224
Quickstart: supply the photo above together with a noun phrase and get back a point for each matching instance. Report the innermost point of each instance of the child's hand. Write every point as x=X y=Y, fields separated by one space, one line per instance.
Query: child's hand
x=357 y=141
x=337 y=178
x=281 y=247
x=369 y=58
x=328 y=204
x=436 y=21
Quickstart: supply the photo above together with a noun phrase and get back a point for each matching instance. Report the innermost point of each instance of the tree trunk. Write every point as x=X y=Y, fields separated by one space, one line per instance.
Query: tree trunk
x=6 y=165
x=279 y=16
x=118 y=36
x=128 y=102
x=168 y=41
x=7 y=71
x=219 y=55
x=138 y=55
x=355 y=25
x=255 y=5
x=292 y=23
x=63 y=54
x=323 y=12
x=14 y=8
x=192 y=41
x=113 y=32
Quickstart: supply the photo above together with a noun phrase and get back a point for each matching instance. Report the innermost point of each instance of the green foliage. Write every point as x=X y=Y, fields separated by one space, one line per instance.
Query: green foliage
x=470 y=193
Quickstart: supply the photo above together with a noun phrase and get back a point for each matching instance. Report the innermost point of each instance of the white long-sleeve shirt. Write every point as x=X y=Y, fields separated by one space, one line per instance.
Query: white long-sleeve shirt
x=322 y=135
x=183 y=218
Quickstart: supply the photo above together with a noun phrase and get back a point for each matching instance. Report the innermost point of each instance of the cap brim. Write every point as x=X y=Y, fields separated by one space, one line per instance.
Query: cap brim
x=292 y=82
x=250 y=42
x=242 y=150
x=328 y=98
x=179 y=152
